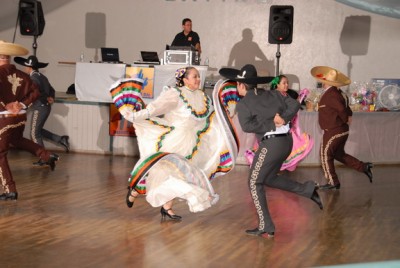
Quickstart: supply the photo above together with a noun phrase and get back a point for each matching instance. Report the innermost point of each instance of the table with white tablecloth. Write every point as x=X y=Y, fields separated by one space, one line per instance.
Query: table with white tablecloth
x=93 y=80
x=374 y=137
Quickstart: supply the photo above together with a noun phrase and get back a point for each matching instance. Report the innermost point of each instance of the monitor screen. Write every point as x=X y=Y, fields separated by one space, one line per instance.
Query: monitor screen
x=150 y=56
x=109 y=54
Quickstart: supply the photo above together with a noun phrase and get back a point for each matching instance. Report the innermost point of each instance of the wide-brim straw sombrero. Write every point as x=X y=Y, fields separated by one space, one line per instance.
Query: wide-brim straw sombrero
x=247 y=75
x=330 y=76
x=11 y=49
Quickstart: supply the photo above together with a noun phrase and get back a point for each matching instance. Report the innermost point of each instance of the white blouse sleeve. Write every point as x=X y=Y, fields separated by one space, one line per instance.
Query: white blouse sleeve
x=167 y=101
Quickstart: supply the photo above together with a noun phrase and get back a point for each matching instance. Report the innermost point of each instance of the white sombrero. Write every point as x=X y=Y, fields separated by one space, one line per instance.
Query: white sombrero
x=330 y=76
x=11 y=49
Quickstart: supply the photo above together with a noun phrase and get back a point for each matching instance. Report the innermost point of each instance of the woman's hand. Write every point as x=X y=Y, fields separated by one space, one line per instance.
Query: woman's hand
x=278 y=120
x=127 y=113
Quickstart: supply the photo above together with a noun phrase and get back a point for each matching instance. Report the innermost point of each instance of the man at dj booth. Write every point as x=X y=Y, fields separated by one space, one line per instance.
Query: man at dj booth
x=187 y=37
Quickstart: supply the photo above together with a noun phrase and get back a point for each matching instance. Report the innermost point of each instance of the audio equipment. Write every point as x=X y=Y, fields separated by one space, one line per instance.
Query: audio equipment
x=280 y=25
x=31 y=18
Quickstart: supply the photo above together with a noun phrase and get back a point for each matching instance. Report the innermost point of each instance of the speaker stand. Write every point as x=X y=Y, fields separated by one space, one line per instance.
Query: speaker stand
x=278 y=55
x=34 y=45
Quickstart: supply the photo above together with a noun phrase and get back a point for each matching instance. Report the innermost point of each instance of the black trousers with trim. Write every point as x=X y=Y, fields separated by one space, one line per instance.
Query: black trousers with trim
x=264 y=172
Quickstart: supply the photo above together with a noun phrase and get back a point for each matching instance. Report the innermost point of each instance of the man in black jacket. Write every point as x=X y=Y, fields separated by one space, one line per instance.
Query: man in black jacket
x=41 y=108
x=267 y=113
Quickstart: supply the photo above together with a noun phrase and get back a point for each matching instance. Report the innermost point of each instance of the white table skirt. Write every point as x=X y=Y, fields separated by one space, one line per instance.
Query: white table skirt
x=374 y=137
x=93 y=80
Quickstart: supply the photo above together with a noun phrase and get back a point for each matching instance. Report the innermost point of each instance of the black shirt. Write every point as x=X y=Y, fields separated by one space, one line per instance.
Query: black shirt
x=45 y=88
x=192 y=39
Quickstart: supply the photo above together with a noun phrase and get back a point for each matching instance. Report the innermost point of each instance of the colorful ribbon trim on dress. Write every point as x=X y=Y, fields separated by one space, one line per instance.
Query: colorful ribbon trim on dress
x=198 y=114
x=199 y=134
x=140 y=171
x=127 y=92
x=226 y=164
x=229 y=96
x=162 y=137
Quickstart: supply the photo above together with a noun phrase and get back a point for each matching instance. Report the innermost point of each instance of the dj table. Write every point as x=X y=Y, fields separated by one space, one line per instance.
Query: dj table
x=93 y=80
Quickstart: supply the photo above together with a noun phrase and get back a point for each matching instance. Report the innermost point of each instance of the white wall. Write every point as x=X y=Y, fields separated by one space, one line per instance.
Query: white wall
x=135 y=25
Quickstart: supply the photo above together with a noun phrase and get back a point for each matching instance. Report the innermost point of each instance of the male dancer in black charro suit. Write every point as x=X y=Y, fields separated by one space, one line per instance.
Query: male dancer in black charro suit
x=268 y=115
x=334 y=117
x=41 y=108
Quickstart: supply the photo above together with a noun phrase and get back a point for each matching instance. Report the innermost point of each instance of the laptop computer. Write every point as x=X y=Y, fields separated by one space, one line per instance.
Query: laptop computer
x=150 y=57
x=110 y=55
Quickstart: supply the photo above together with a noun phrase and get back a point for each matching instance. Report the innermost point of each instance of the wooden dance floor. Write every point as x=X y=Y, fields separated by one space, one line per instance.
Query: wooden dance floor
x=76 y=216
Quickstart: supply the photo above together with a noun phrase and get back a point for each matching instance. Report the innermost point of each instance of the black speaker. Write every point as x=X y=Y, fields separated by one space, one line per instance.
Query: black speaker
x=31 y=18
x=280 y=25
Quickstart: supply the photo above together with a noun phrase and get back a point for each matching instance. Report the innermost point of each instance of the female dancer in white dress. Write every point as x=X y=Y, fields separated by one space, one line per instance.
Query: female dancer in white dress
x=183 y=142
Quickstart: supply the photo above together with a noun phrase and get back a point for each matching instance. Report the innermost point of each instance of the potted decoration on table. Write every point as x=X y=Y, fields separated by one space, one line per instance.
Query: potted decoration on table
x=362 y=97
x=312 y=99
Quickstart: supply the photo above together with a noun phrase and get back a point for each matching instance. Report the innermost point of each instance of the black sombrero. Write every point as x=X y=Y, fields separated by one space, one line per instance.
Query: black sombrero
x=31 y=61
x=247 y=75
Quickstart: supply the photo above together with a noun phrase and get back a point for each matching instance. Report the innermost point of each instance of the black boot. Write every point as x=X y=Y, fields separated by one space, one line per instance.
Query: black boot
x=39 y=163
x=368 y=170
x=258 y=232
x=315 y=197
x=9 y=196
x=329 y=186
x=52 y=161
x=65 y=143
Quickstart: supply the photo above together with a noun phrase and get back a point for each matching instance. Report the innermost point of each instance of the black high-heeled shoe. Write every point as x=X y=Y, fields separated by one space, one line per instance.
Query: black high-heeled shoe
x=164 y=212
x=129 y=203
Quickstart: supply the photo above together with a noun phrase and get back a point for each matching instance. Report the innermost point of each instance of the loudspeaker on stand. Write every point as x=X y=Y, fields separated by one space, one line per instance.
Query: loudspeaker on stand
x=280 y=25
x=31 y=17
